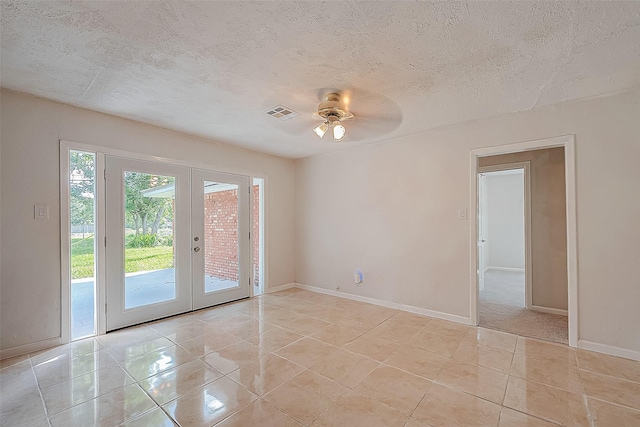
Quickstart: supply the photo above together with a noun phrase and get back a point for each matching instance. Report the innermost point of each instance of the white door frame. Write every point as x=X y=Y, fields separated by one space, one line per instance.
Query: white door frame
x=568 y=143
x=526 y=167
x=65 y=276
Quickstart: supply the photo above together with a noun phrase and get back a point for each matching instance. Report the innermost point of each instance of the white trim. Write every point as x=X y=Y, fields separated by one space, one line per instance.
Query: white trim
x=20 y=350
x=609 y=349
x=473 y=239
x=101 y=255
x=436 y=314
x=518 y=147
x=388 y=304
x=133 y=155
x=65 y=245
x=572 y=238
x=518 y=270
x=280 y=288
x=549 y=310
x=568 y=142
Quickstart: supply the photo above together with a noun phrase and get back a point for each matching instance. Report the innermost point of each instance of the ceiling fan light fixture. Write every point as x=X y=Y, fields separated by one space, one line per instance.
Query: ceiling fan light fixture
x=338 y=131
x=322 y=129
x=332 y=111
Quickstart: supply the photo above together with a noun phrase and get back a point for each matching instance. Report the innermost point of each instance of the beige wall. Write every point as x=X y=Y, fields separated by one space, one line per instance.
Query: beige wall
x=30 y=262
x=548 y=223
x=390 y=209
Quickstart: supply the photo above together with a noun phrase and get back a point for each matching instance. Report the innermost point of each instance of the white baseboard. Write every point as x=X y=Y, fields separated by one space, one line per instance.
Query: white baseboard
x=280 y=288
x=549 y=310
x=518 y=270
x=29 y=348
x=609 y=349
x=436 y=314
x=388 y=304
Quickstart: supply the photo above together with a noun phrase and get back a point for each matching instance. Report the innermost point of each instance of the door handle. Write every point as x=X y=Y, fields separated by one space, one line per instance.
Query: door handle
x=196 y=249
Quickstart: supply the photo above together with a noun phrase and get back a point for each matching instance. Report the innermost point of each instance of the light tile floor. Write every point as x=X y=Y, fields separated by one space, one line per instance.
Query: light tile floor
x=301 y=358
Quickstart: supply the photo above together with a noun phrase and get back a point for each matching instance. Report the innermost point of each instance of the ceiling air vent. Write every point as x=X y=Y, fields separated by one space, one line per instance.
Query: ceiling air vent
x=281 y=112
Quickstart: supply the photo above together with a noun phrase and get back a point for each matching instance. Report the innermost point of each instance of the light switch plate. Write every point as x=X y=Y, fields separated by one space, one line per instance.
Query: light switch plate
x=462 y=214
x=41 y=211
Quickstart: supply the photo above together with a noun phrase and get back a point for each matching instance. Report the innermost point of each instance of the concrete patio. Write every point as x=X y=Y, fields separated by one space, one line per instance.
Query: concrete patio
x=141 y=288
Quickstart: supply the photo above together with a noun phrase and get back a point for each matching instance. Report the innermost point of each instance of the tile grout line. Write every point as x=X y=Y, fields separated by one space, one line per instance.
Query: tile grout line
x=44 y=404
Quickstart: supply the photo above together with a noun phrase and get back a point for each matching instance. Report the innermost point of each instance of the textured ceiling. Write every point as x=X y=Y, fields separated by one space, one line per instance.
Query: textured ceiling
x=213 y=69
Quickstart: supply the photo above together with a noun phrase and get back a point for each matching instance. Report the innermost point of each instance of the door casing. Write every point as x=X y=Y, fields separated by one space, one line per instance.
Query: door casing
x=568 y=142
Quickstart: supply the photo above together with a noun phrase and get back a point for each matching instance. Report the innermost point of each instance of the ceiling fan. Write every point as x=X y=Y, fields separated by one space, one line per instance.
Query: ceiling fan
x=365 y=116
x=332 y=111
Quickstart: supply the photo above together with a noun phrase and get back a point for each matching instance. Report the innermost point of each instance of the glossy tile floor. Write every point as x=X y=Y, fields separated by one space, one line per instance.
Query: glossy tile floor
x=301 y=358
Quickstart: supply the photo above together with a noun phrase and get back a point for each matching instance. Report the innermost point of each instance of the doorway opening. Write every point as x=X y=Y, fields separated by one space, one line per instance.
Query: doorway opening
x=504 y=224
x=545 y=307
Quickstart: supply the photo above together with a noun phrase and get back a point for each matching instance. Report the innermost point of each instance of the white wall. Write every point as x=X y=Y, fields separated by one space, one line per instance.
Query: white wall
x=505 y=219
x=390 y=209
x=30 y=262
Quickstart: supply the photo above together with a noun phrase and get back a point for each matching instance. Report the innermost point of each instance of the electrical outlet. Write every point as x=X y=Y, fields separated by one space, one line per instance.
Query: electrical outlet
x=358 y=277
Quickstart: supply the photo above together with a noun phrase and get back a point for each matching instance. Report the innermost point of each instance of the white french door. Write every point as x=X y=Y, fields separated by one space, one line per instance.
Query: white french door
x=177 y=240
x=220 y=228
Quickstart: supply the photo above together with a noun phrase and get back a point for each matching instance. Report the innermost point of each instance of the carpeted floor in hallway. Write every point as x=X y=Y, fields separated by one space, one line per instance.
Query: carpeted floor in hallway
x=501 y=307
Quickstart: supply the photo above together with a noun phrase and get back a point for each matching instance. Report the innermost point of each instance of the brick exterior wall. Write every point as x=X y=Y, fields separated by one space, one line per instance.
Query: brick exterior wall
x=221 y=234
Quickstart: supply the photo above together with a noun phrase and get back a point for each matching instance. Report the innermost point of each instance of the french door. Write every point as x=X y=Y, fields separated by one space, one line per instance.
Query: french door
x=177 y=240
x=220 y=229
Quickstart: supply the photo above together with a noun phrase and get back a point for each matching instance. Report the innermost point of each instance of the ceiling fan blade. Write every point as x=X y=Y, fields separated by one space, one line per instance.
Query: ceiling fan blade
x=360 y=128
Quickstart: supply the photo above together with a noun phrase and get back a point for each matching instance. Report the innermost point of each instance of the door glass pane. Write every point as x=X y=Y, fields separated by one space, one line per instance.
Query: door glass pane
x=149 y=258
x=220 y=236
x=82 y=209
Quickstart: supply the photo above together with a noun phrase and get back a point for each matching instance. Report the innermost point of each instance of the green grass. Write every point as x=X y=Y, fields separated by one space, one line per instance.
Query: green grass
x=143 y=259
x=137 y=259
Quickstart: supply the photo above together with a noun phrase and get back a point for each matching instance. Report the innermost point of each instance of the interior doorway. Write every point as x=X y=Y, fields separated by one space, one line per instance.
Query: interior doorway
x=553 y=290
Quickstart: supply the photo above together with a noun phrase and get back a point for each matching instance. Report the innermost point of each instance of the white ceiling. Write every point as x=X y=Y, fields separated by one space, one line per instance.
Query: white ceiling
x=214 y=68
